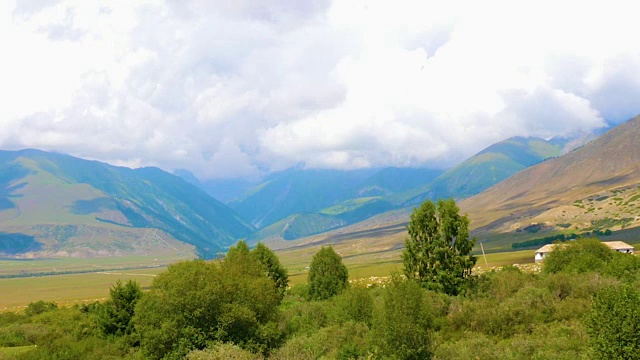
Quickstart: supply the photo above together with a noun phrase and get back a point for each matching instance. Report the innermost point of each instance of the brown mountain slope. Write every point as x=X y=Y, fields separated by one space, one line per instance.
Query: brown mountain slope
x=609 y=162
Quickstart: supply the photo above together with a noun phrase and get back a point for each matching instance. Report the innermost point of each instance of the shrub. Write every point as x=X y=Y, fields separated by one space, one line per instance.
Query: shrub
x=354 y=304
x=39 y=307
x=580 y=256
x=402 y=326
x=614 y=323
x=196 y=302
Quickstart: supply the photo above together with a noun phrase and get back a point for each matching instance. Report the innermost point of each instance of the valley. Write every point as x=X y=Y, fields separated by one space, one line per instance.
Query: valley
x=58 y=219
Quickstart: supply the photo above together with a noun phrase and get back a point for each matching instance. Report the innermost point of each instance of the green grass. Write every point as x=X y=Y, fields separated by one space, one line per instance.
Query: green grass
x=12 y=351
x=348 y=205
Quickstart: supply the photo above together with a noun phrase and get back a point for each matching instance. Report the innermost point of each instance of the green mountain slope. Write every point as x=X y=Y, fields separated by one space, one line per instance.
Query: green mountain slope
x=302 y=191
x=296 y=191
x=351 y=197
x=488 y=167
x=69 y=204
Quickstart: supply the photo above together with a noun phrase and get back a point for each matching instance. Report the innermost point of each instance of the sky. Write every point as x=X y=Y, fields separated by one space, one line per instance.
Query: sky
x=244 y=88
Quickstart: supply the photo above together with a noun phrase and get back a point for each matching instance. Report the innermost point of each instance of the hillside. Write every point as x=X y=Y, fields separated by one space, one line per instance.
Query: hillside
x=58 y=204
x=593 y=184
x=224 y=190
x=488 y=167
x=304 y=191
x=348 y=197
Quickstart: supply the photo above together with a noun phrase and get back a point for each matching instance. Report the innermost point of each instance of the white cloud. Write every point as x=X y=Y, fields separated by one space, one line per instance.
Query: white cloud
x=239 y=88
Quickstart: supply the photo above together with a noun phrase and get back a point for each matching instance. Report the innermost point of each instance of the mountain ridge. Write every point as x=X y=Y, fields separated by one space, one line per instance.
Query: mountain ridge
x=606 y=163
x=42 y=188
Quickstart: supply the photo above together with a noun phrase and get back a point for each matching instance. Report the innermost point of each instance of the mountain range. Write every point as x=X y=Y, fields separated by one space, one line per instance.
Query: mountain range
x=301 y=202
x=59 y=204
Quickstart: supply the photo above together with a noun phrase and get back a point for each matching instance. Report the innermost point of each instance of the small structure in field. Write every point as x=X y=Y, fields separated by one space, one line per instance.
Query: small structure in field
x=544 y=251
x=618 y=246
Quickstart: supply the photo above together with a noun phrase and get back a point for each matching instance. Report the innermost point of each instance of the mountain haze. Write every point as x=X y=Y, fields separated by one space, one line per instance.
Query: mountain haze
x=300 y=202
x=303 y=191
x=69 y=205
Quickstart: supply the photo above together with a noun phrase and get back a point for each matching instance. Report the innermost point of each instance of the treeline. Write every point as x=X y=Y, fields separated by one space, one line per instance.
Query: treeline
x=559 y=237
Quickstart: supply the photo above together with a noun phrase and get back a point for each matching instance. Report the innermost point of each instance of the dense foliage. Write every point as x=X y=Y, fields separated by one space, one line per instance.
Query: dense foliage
x=577 y=308
x=614 y=323
x=438 y=250
x=327 y=274
x=195 y=303
x=271 y=267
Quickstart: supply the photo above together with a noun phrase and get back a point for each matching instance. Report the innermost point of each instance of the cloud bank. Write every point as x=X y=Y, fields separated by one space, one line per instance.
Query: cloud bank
x=243 y=88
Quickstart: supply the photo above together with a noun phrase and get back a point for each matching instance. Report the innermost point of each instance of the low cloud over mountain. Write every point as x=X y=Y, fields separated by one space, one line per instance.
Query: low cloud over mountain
x=244 y=88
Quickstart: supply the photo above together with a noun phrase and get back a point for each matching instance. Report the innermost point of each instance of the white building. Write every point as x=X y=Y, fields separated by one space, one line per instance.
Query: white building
x=614 y=245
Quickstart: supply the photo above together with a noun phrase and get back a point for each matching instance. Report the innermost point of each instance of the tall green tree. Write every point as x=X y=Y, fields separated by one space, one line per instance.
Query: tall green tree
x=438 y=251
x=114 y=316
x=271 y=267
x=327 y=274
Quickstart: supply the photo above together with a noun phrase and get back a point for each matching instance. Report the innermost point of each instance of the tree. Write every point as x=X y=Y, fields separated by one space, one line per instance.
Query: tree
x=614 y=323
x=580 y=256
x=327 y=274
x=114 y=316
x=438 y=251
x=194 y=303
x=403 y=325
x=272 y=267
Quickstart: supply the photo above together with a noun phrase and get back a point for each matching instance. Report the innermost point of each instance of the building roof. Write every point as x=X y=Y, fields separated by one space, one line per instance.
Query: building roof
x=547 y=248
x=618 y=245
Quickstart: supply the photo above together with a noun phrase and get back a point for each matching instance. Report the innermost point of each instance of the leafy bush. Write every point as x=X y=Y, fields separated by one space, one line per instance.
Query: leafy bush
x=580 y=256
x=403 y=324
x=196 y=302
x=222 y=352
x=346 y=341
x=614 y=323
x=39 y=307
x=355 y=304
